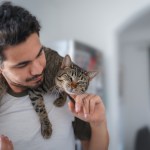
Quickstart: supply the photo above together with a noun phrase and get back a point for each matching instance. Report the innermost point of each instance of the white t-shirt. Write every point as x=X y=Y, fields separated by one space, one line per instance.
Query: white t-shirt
x=19 y=121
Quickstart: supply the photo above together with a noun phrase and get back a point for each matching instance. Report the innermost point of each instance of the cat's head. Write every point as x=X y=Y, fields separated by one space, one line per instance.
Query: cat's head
x=73 y=79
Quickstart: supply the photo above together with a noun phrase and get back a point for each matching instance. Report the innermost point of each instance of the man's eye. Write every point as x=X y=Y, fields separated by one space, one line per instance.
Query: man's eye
x=41 y=53
x=22 y=66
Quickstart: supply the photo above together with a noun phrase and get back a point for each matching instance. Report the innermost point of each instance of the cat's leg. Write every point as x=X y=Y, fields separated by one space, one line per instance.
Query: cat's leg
x=39 y=106
x=60 y=101
x=46 y=126
x=82 y=129
x=3 y=87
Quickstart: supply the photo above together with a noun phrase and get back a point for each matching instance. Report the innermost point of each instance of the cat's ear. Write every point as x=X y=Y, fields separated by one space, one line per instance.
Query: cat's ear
x=66 y=62
x=92 y=74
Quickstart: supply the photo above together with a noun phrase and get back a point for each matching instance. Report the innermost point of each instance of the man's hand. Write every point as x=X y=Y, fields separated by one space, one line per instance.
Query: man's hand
x=5 y=143
x=88 y=107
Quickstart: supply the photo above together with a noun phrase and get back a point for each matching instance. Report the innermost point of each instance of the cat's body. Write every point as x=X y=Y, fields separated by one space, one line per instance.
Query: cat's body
x=57 y=74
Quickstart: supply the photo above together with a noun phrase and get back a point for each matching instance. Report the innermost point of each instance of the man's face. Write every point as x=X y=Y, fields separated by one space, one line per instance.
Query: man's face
x=24 y=64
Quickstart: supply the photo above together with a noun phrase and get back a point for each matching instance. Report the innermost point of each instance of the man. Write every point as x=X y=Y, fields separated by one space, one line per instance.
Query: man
x=22 y=63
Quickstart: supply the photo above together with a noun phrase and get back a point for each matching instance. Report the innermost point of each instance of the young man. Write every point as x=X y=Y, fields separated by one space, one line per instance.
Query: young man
x=22 y=63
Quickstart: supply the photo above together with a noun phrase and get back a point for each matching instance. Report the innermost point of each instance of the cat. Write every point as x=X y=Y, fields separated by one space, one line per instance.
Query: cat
x=72 y=79
x=58 y=73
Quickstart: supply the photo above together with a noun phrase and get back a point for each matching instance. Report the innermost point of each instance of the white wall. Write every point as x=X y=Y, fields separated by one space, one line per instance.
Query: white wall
x=135 y=96
x=94 y=22
x=134 y=57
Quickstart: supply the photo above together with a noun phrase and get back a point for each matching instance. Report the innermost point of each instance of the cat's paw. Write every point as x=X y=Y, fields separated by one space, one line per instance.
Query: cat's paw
x=46 y=130
x=59 y=102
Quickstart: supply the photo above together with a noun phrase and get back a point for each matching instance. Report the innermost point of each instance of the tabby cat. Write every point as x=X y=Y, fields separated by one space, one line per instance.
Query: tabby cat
x=62 y=75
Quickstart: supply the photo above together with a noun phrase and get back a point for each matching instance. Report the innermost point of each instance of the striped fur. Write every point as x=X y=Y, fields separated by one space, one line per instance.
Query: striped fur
x=60 y=74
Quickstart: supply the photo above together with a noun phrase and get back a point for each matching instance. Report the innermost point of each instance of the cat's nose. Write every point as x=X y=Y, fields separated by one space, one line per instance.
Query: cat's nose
x=73 y=85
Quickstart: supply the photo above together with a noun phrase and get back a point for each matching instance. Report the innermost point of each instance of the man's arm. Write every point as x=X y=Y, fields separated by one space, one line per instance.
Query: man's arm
x=89 y=107
x=99 y=139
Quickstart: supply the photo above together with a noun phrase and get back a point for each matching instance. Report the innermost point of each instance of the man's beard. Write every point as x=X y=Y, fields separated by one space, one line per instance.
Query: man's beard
x=19 y=85
x=38 y=83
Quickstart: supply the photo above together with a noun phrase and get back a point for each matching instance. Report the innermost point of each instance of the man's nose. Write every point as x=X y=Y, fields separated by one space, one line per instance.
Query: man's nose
x=36 y=68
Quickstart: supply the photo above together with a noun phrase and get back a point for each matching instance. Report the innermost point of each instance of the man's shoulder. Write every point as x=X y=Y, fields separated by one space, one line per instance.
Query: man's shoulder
x=50 y=53
x=53 y=60
x=48 y=50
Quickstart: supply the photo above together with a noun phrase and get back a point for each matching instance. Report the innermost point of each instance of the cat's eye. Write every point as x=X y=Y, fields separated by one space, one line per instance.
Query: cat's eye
x=81 y=83
x=70 y=79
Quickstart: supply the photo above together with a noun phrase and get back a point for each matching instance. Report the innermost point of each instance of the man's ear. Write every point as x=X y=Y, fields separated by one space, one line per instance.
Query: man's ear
x=0 y=69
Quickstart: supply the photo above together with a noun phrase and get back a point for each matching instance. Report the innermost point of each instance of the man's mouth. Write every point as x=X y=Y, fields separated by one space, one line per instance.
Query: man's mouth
x=38 y=78
x=35 y=78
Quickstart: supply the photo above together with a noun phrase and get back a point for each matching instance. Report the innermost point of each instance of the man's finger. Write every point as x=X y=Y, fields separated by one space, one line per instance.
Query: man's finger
x=78 y=104
x=71 y=106
x=72 y=96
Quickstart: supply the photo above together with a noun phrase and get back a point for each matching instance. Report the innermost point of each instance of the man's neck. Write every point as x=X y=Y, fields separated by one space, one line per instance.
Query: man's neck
x=17 y=94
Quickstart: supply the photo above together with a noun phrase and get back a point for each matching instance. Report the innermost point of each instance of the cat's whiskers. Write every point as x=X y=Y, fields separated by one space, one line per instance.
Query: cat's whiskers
x=56 y=94
x=57 y=90
x=54 y=91
x=86 y=94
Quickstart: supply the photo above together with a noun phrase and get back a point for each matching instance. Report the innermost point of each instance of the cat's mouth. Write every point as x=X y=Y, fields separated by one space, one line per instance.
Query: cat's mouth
x=72 y=91
x=69 y=89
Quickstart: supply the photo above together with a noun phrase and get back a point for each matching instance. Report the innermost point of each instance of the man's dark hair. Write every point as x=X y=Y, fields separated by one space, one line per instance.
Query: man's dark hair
x=16 y=25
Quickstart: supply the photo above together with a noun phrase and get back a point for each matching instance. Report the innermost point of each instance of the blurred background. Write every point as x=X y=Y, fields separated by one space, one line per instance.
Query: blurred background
x=119 y=31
